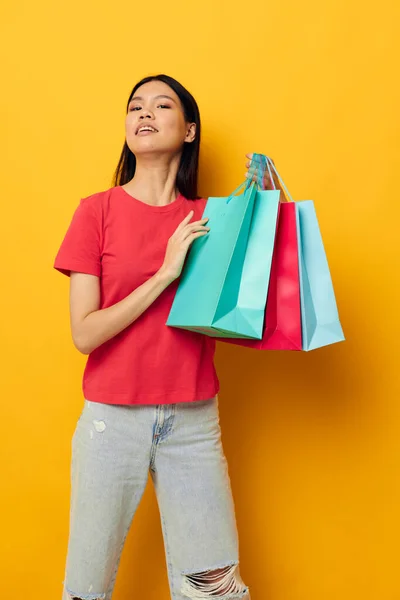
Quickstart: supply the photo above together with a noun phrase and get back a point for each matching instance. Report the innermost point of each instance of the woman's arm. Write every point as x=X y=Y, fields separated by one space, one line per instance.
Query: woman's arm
x=92 y=326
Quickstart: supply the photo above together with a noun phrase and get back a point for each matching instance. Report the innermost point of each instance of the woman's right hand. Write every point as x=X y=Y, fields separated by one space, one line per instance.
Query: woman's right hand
x=179 y=244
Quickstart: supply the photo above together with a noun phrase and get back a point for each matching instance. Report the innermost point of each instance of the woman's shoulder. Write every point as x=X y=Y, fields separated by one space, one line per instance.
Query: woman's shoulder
x=197 y=205
x=97 y=198
x=199 y=201
x=99 y=203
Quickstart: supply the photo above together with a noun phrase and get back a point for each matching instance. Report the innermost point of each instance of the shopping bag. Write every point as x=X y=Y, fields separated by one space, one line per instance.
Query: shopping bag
x=319 y=314
x=320 y=324
x=223 y=287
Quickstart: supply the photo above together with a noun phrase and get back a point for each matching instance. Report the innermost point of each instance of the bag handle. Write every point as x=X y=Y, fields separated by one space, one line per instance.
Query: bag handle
x=269 y=162
x=260 y=162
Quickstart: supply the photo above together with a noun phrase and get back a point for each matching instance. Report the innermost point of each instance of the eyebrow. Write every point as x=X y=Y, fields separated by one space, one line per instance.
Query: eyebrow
x=155 y=97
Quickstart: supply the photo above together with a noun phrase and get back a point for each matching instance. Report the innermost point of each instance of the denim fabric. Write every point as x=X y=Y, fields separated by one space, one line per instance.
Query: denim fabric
x=114 y=447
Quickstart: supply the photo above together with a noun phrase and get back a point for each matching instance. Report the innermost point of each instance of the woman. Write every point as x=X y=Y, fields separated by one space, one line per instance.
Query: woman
x=150 y=391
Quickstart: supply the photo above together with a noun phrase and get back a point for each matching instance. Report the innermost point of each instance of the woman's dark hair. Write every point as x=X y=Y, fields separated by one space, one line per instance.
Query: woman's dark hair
x=186 y=179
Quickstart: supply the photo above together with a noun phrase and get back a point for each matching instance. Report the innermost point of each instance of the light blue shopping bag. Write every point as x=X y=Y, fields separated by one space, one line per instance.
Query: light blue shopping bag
x=319 y=314
x=224 y=283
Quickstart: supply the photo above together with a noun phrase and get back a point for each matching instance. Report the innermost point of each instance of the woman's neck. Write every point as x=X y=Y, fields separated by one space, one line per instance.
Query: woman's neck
x=154 y=181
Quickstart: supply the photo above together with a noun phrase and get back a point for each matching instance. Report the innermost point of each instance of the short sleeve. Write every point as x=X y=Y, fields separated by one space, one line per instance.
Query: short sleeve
x=80 y=249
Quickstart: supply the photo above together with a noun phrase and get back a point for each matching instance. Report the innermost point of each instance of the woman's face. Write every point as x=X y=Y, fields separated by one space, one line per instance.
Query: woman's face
x=155 y=121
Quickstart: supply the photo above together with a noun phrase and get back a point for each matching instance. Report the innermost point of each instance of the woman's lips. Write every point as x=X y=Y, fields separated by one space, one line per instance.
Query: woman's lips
x=145 y=132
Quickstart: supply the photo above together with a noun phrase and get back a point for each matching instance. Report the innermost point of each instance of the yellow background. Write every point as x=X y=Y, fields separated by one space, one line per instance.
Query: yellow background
x=312 y=439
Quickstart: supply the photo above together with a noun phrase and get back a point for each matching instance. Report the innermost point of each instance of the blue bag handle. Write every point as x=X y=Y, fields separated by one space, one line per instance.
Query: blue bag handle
x=259 y=162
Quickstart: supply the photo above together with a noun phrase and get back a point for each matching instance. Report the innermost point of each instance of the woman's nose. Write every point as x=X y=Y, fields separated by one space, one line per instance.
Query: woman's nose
x=146 y=114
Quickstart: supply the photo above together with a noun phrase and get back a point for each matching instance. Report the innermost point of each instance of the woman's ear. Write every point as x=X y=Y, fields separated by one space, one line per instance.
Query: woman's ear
x=191 y=133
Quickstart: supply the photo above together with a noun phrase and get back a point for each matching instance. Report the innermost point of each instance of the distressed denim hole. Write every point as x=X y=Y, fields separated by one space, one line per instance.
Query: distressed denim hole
x=99 y=426
x=224 y=582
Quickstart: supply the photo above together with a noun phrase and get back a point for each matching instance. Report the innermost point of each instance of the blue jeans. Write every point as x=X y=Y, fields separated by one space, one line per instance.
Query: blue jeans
x=113 y=449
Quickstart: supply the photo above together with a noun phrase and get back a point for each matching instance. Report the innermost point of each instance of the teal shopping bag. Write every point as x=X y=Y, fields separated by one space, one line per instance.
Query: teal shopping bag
x=320 y=322
x=224 y=284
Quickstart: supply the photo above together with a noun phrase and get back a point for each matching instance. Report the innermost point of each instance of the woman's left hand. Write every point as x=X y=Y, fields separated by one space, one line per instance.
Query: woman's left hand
x=267 y=183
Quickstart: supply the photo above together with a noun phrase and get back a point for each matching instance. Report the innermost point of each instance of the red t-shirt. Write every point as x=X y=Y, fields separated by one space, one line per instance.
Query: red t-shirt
x=123 y=241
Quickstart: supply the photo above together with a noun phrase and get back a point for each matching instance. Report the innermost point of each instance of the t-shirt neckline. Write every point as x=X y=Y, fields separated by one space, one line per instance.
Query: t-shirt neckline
x=150 y=207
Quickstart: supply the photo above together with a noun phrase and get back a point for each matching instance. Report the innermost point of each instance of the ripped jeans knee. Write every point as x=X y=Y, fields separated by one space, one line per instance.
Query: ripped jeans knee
x=222 y=583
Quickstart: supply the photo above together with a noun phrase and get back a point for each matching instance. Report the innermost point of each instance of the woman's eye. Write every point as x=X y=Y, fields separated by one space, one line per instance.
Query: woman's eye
x=135 y=108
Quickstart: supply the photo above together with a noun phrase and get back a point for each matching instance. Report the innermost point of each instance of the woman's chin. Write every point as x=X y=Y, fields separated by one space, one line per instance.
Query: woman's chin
x=146 y=147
